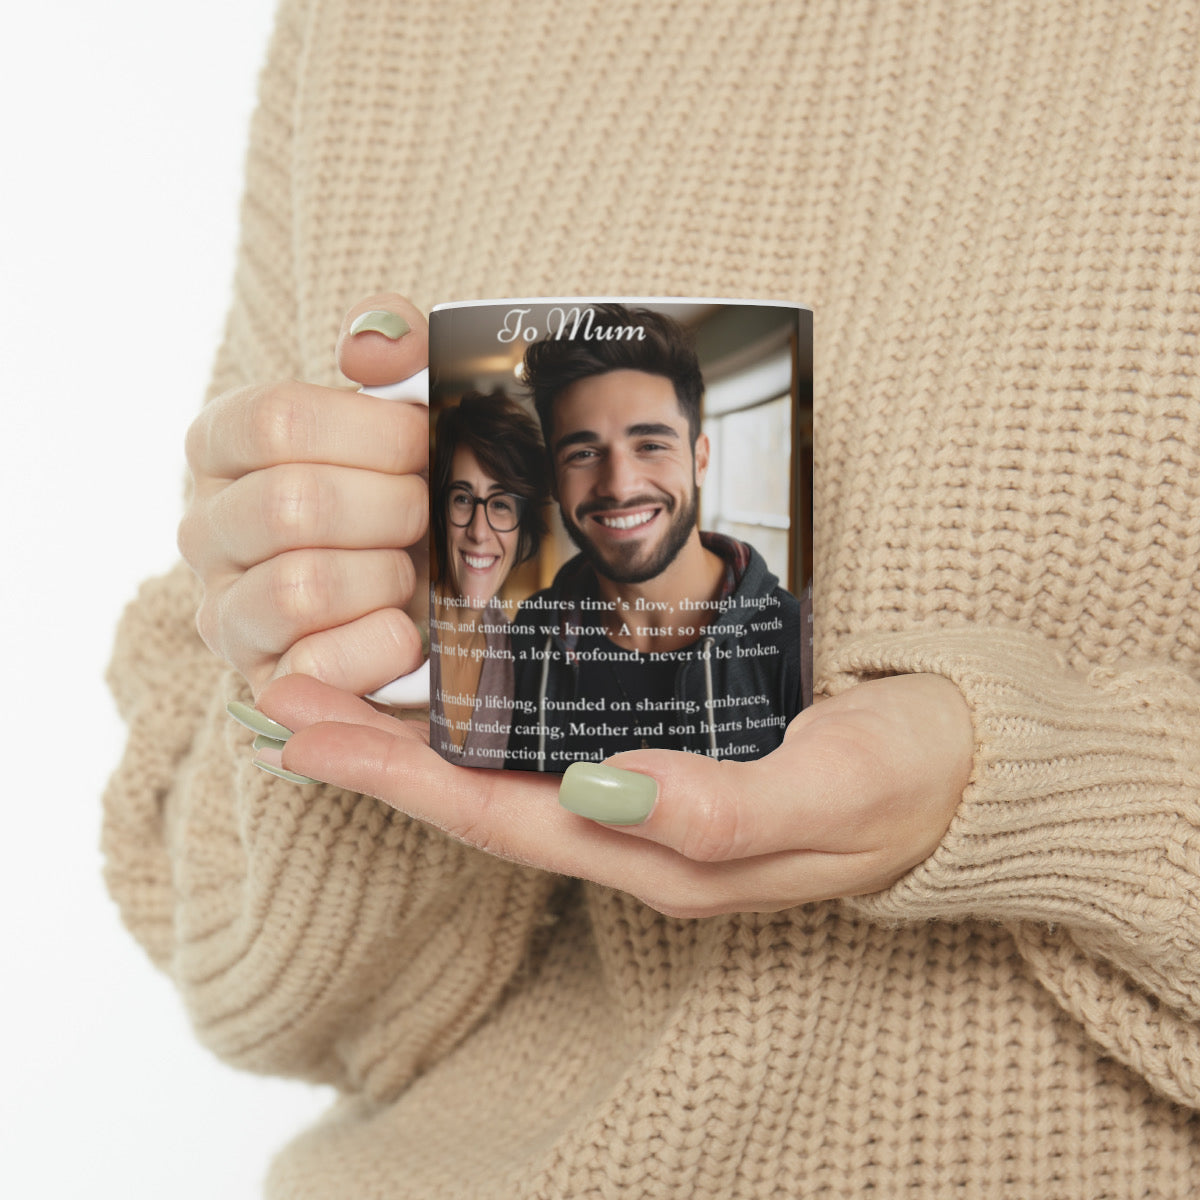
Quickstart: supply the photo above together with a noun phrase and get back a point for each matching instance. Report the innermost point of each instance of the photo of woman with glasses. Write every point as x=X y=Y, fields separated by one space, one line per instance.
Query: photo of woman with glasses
x=489 y=490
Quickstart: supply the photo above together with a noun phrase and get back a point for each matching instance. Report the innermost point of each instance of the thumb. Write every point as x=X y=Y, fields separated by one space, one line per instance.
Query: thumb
x=383 y=339
x=706 y=809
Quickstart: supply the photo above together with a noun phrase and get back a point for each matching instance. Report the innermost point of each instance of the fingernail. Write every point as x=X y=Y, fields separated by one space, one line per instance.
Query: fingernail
x=283 y=773
x=379 y=320
x=607 y=794
x=243 y=714
x=262 y=742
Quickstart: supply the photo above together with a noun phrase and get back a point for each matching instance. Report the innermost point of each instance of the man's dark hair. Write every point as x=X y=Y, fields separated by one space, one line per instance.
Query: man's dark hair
x=608 y=343
x=505 y=441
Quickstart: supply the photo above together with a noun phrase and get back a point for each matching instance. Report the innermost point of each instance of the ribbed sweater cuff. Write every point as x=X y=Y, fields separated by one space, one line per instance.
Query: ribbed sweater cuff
x=1084 y=800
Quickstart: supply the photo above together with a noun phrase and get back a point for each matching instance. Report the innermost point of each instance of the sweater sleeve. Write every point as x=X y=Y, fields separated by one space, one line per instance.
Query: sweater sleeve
x=1079 y=830
x=311 y=932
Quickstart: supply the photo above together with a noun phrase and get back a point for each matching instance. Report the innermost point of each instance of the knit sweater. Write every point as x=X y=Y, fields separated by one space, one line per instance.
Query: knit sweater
x=993 y=208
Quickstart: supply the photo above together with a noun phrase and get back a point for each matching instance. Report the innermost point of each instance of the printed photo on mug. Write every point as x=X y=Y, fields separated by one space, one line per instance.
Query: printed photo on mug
x=620 y=528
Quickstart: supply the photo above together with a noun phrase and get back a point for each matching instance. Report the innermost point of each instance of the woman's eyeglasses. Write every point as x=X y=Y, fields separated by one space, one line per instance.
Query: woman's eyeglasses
x=501 y=510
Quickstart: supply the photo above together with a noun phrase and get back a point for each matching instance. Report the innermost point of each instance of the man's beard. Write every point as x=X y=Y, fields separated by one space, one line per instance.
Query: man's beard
x=624 y=563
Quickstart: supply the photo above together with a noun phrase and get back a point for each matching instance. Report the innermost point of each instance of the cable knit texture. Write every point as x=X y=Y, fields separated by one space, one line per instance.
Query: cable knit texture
x=993 y=208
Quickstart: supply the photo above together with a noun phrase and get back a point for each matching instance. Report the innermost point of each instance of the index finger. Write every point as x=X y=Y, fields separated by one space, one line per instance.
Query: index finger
x=292 y=422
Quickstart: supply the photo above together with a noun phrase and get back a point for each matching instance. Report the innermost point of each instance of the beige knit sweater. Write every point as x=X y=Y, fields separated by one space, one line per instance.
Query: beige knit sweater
x=993 y=208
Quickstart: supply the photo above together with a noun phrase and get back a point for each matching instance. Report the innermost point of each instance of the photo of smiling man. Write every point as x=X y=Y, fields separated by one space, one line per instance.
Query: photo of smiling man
x=655 y=633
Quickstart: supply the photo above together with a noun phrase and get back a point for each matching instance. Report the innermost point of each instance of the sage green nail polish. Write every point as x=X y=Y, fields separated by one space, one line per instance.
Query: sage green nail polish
x=262 y=742
x=283 y=773
x=243 y=714
x=607 y=794
x=391 y=325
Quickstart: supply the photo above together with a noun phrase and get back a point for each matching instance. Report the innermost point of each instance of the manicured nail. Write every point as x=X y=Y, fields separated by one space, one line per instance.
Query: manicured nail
x=262 y=742
x=243 y=714
x=379 y=320
x=283 y=773
x=607 y=794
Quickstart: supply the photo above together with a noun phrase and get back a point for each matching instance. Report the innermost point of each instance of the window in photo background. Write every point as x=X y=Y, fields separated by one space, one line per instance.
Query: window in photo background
x=747 y=495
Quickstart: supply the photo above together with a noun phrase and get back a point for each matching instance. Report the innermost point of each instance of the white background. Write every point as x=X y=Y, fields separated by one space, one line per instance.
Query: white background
x=122 y=137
